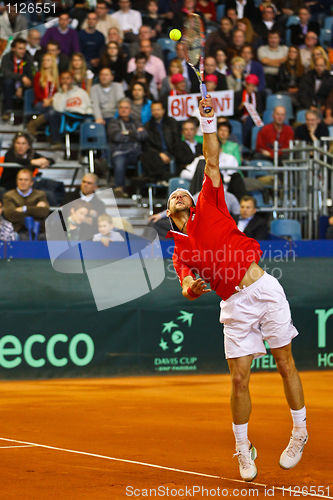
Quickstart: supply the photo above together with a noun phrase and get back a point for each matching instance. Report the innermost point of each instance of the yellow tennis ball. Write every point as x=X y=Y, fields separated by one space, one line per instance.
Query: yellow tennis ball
x=175 y=35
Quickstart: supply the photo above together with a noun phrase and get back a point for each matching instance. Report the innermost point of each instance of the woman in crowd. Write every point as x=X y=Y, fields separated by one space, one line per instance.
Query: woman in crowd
x=245 y=25
x=290 y=74
x=320 y=52
x=82 y=77
x=175 y=68
x=114 y=59
x=236 y=78
x=221 y=62
x=140 y=104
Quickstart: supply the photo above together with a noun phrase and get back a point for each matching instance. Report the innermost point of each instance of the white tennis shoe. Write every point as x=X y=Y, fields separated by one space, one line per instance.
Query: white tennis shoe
x=293 y=453
x=246 y=456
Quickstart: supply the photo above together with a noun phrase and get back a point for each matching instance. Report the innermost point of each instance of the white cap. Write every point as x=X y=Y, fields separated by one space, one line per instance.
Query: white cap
x=185 y=191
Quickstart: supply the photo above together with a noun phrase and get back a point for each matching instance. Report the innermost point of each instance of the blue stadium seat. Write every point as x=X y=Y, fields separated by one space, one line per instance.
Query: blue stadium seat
x=237 y=130
x=259 y=164
x=288 y=37
x=328 y=24
x=258 y=196
x=254 y=133
x=93 y=138
x=325 y=36
x=167 y=44
x=176 y=183
x=280 y=100
x=291 y=21
x=28 y=105
x=286 y=228
x=220 y=9
x=300 y=115
x=268 y=117
x=330 y=129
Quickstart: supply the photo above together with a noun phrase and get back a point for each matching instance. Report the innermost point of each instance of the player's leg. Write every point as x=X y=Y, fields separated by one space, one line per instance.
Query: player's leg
x=294 y=394
x=240 y=369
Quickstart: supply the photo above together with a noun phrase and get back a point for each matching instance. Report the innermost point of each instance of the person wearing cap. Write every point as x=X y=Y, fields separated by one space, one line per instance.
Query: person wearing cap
x=179 y=84
x=211 y=83
x=249 y=94
x=209 y=248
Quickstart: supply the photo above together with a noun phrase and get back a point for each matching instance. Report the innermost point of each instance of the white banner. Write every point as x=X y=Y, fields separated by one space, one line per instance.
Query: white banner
x=183 y=106
x=254 y=114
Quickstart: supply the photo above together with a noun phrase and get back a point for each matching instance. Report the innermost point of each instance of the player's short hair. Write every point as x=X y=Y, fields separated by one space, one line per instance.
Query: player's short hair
x=186 y=191
x=105 y=218
x=247 y=197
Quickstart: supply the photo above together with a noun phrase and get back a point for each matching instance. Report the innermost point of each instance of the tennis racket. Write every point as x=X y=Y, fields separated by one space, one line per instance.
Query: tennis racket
x=194 y=46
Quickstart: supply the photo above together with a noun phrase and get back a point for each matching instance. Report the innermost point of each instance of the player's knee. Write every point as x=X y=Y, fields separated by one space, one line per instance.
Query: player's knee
x=285 y=366
x=240 y=382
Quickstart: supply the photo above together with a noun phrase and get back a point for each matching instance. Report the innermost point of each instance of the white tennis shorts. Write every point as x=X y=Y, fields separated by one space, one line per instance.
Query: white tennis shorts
x=256 y=313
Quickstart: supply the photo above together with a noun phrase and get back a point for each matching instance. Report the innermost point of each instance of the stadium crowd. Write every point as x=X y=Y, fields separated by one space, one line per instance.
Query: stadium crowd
x=112 y=63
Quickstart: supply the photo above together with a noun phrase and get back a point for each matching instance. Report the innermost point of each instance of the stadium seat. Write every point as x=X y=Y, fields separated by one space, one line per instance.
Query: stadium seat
x=237 y=130
x=288 y=37
x=93 y=138
x=220 y=9
x=286 y=228
x=292 y=20
x=167 y=44
x=254 y=133
x=28 y=105
x=259 y=164
x=325 y=36
x=330 y=129
x=268 y=117
x=323 y=225
x=176 y=183
x=328 y=24
x=258 y=196
x=280 y=100
x=300 y=115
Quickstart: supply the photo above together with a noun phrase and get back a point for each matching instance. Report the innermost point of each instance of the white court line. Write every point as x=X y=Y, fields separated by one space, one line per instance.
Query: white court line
x=123 y=460
x=17 y=446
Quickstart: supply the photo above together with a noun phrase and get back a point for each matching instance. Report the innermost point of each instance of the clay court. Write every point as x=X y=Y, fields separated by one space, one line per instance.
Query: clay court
x=92 y=438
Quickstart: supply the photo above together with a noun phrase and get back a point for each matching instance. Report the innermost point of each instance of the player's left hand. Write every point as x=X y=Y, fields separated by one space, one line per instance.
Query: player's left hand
x=199 y=287
x=208 y=102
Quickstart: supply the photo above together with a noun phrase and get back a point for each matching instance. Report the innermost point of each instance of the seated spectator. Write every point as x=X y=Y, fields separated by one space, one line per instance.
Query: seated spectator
x=69 y=99
x=236 y=78
x=253 y=67
x=7 y=232
x=107 y=234
x=145 y=33
x=33 y=42
x=161 y=145
x=250 y=222
x=290 y=74
x=244 y=24
x=152 y=19
x=211 y=83
x=105 y=96
x=221 y=65
x=91 y=41
x=188 y=148
x=126 y=136
x=114 y=59
x=129 y=20
x=311 y=41
x=12 y=23
x=187 y=72
x=139 y=74
x=17 y=72
x=115 y=35
x=313 y=128
x=243 y=8
x=207 y=8
x=22 y=152
x=66 y=37
x=248 y=95
x=140 y=104
x=328 y=111
x=175 y=68
x=268 y=22
x=315 y=86
x=75 y=222
x=105 y=21
x=275 y=131
x=271 y=57
x=231 y=13
x=210 y=69
x=219 y=39
x=82 y=77
x=237 y=43
x=53 y=48
x=24 y=201
x=46 y=84
x=299 y=30
x=154 y=65
x=232 y=137
x=319 y=52
x=87 y=193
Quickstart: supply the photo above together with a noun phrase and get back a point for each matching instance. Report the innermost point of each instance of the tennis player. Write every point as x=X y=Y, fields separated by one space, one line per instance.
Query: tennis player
x=254 y=307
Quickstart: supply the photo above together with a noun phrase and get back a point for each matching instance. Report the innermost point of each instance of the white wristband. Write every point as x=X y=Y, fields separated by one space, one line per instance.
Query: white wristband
x=208 y=124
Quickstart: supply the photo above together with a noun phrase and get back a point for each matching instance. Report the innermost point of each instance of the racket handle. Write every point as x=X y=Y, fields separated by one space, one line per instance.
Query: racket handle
x=207 y=109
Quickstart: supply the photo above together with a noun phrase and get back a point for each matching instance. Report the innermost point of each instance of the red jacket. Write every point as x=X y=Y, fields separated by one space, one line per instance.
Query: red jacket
x=268 y=134
x=40 y=92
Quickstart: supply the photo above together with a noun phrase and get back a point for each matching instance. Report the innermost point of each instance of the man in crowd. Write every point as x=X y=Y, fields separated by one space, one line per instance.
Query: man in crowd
x=271 y=57
x=299 y=30
x=53 y=48
x=243 y=8
x=313 y=128
x=129 y=20
x=310 y=42
x=315 y=86
x=249 y=221
x=105 y=96
x=104 y=20
x=92 y=41
x=210 y=69
x=189 y=147
x=33 y=45
x=268 y=23
x=17 y=70
x=253 y=67
x=126 y=136
x=145 y=33
x=66 y=37
x=154 y=65
x=24 y=201
x=275 y=131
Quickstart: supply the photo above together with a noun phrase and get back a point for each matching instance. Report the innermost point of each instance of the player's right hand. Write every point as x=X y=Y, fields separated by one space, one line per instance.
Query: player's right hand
x=208 y=102
x=199 y=287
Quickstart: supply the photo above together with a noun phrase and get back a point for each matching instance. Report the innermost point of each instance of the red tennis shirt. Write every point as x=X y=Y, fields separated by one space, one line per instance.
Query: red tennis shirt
x=213 y=247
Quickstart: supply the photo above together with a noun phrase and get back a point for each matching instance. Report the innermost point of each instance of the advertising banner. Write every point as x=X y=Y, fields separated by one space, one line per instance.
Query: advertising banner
x=182 y=107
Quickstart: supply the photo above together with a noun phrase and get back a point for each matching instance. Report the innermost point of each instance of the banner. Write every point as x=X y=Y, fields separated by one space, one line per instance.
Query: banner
x=254 y=114
x=183 y=106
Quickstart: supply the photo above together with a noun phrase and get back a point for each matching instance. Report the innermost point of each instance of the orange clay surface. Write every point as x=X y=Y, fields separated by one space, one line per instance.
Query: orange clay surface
x=180 y=422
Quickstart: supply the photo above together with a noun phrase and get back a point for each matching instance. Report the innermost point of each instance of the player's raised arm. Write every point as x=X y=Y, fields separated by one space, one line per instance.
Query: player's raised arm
x=211 y=147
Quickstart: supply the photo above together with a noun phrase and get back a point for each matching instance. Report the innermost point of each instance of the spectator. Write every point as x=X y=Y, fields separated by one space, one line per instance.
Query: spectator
x=107 y=234
x=268 y=22
x=162 y=144
x=53 y=48
x=140 y=75
x=105 y=21
x=154 y=65
x=210 y=69
x=275 y=131
x=12 y=23
x=313 y=129
x=140 y=104
x=114 y=59
x=231 y=13
x=311 y=41
x=17 y=71
x=250 y=222
x=207 y=9
x=245 y=25
x=129 y=19
x=75 y=222
x=145 y=33
x=248 y=95
x=91 y=41
x=105 y=96
x=82 y=77
x=187 y=71
x=69 y=99
x=66 y=37
x=220 y=39
x=221 y=58
x=299 y=30
x=7 y=232
x=24 y=201
x=126 y=136
x=211 y=83
x=175 y=68
x=253 y=67
x=33 y=42
x=290 y=74
x=229 y=161
x=328 y=111
x=238 y=41
x=115 y=35
x=232 y=148
x=319 y=52
x=236 y=78
x=272 y=56
x=243 y=8
x=152 y=19
x=189 y=147
x=315 y=86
